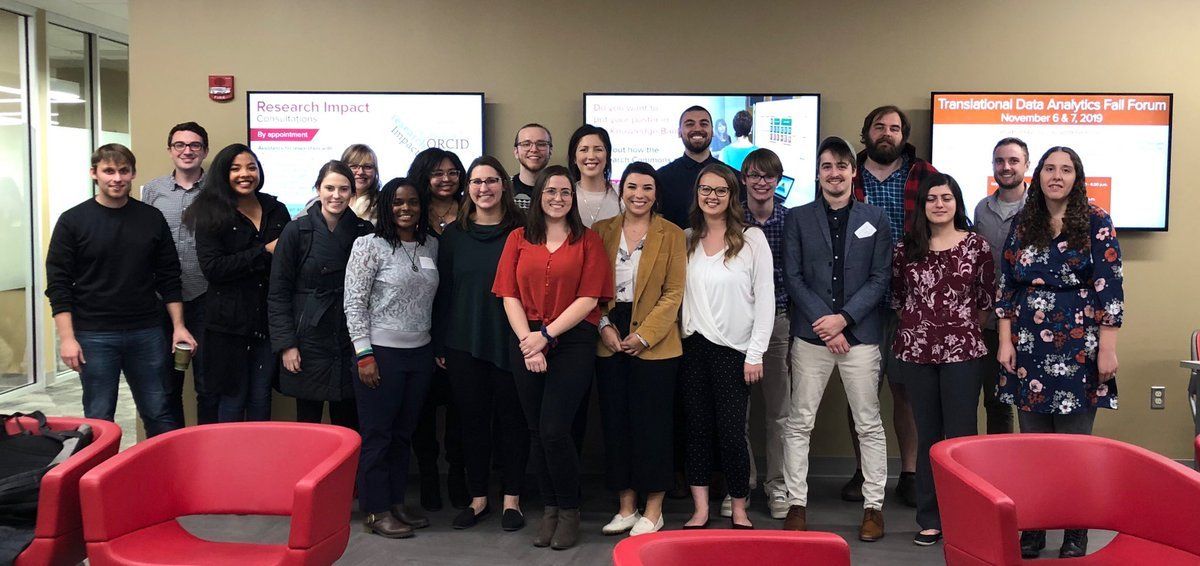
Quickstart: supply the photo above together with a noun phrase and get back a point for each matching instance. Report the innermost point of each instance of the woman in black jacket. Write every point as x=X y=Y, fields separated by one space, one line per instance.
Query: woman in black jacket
x=237 y=227
x=308 y=323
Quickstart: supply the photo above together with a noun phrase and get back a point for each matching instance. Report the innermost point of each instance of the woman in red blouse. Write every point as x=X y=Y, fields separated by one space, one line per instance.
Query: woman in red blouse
x=943 y=275
x=552 y=275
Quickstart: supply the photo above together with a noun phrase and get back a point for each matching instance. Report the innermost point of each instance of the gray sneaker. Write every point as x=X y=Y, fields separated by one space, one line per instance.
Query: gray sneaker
x=778 y=504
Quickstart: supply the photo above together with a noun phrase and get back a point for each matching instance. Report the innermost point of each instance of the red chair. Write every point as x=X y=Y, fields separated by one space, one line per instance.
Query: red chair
x=992 y=487
x=58 y=534
x=130 y=502
x=732 y=548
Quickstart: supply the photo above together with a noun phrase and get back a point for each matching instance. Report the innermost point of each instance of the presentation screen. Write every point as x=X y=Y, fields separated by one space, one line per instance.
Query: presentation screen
x=1124 y=141
x=645 y=127
x=294 y=133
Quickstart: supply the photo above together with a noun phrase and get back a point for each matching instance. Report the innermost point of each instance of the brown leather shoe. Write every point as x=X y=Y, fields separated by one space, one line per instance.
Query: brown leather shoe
x=796 y=520
x=872 y=525
x=385 y=525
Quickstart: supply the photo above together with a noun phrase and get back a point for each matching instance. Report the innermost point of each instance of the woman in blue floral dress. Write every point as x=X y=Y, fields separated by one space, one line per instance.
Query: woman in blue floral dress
x=1060 y=303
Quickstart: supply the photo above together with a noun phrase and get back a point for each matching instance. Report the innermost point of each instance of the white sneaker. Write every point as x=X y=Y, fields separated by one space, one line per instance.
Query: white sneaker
x=620 y=524
x=644 y=526
x=727 y=506
x=779 y=506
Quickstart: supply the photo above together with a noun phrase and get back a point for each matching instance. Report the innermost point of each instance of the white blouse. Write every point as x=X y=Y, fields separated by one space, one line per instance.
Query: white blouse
x=626 y=269
x=732 y=303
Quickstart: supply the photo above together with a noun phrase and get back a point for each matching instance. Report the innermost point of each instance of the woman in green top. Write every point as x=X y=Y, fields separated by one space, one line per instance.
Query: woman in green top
x=473 y=336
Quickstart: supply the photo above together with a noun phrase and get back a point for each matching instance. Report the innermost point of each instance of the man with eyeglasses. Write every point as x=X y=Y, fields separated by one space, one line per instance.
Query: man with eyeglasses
x=187 y=146
x=532 y=147
x=837 y=266
x=679 y=177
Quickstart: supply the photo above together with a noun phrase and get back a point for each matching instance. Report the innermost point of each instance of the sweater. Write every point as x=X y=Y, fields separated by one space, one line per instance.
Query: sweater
x=389 y=292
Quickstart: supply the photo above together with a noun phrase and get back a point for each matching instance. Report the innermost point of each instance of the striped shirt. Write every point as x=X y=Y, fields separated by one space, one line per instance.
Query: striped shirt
x=171 y=199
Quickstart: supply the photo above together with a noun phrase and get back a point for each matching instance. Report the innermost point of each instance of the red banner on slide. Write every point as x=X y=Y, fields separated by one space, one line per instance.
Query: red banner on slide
x=283 y=134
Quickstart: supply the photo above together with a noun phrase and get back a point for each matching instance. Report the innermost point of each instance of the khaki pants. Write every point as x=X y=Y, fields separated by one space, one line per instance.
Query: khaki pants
x=812 y=367
x=777 y=403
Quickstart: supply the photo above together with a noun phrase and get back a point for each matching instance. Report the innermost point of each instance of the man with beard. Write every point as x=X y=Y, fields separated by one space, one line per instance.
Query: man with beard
x=678 y=178
x=532 y=147
x=837 y=266
x=889 y=172
x=993 y=217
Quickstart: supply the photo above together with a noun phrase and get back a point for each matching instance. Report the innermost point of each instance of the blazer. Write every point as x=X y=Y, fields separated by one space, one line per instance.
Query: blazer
x=658 y=290
x=808 y=268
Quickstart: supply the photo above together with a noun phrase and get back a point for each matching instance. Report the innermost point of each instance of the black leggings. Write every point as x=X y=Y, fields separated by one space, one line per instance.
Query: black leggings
x=341 y=413
x=550 y=401
x=715 y=395
x=483 y=391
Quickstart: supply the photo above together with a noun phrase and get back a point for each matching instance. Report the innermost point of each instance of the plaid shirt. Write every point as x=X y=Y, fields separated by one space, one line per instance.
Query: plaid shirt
x=171 y=199
x=773 y=228
x=896 y=195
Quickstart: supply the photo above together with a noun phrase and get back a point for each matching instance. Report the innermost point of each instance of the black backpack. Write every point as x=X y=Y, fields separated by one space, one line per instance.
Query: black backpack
x=25 y=458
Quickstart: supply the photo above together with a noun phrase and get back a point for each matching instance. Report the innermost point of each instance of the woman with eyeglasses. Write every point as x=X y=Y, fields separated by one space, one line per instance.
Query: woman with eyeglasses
x=440 y=174
x=728 y=314
x=365 y=165
x=552 y=276
x=472 y=341
x=590 y=161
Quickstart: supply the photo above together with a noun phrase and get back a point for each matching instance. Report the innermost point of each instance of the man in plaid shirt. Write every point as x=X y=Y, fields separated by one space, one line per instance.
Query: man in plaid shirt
x=889 y=172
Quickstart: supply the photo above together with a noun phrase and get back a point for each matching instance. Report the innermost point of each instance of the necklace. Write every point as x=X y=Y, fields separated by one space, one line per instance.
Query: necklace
x=412 y=258
x=599 y=204
x=442 y=216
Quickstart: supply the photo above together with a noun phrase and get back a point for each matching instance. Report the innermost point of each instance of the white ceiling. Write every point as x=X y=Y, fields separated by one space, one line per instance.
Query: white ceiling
x=107 y=14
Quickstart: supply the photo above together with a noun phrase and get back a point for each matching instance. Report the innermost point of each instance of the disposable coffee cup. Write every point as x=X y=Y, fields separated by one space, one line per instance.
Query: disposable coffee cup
x=183 y=355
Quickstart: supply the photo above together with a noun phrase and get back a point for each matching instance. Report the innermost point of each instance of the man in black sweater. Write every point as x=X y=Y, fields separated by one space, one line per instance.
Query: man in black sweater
x=678 y=178
x=111 y=258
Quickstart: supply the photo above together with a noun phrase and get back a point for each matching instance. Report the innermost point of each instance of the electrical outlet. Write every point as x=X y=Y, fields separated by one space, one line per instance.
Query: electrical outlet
x=1158 y=397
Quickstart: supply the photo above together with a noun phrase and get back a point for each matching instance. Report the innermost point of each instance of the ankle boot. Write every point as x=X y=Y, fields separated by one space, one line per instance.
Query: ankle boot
x=1032 y=543
x=385 y=525
x=546 y=528
x=567 y=533
x=1074 y=543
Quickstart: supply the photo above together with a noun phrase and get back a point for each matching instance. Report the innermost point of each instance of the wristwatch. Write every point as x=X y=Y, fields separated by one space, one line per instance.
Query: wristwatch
x=550 y=340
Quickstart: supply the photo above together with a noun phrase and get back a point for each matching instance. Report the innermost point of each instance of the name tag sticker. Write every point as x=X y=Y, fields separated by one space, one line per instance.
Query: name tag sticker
x=427 y=263
x=865 y=231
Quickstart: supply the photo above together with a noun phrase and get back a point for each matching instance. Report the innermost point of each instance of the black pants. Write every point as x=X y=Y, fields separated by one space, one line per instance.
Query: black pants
x=715 y=396
x=487 y=395
x=206 y=400
x=341 y=413
x=551 y=401
x=388 y=415
x=1077 y=423
x=945 y=402
x=999 y=415
x=425 y=438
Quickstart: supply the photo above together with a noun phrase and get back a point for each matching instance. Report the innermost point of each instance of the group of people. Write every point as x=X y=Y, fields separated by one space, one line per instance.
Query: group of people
x=673 y=293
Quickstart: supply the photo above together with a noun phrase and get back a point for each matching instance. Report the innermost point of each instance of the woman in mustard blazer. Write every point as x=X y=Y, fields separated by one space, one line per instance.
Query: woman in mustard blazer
x=639 y=350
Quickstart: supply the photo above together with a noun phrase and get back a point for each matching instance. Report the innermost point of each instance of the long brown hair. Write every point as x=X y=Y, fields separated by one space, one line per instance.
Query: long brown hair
x=1033 y=224
x=734 y=217
x=510 y=214
x=535 y=223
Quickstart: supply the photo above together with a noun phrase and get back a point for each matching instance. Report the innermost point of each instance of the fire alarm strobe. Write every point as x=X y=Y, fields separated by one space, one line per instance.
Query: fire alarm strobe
x=220 y=87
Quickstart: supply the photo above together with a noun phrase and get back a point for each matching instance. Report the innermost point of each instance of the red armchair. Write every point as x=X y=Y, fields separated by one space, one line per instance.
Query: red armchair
x=130 y=502
x=58 y=534
x=732 y=548
x=991 y=487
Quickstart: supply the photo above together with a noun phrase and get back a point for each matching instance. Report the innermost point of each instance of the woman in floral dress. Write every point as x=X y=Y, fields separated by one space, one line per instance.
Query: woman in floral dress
x=1060 y=303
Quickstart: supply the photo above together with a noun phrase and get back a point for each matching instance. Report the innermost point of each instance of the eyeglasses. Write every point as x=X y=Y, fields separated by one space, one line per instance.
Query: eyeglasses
x=492 y=181
x=364 y=167
x=755 y=177
x=541 y=145
x=439 y=174
x=180 y=146
x=564 y=193
x=707 y=190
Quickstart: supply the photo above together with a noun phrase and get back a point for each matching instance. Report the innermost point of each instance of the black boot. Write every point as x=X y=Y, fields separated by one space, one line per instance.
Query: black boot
x=431 y=489
x=1032 y=543
x=1074 y=543
x=852 y=491
x=906 y=488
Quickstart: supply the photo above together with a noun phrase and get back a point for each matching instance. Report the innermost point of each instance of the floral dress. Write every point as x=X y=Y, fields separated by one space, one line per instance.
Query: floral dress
x=1057 y=299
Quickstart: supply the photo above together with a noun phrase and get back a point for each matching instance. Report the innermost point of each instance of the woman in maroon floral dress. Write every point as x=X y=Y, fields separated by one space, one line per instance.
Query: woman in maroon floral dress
x=943 y=277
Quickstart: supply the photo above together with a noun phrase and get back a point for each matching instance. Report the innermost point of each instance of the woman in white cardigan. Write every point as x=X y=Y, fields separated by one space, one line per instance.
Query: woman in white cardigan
x=728 y=313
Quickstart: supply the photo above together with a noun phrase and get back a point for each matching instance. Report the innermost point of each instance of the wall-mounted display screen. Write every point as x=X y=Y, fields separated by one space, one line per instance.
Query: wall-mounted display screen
x=294 y=133
x=1124 y=141
x=645 y=127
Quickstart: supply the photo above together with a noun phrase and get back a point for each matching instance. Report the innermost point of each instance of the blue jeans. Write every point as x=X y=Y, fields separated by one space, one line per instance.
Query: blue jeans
x=141 y=355
x=250 y=398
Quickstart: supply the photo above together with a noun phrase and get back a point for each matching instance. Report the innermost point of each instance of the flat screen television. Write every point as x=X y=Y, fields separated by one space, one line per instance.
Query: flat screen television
x=1124 y=141
x=645 y=127
x=295 y=132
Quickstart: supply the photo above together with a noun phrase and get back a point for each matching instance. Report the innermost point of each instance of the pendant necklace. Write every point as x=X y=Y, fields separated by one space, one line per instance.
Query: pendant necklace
x=412 y=258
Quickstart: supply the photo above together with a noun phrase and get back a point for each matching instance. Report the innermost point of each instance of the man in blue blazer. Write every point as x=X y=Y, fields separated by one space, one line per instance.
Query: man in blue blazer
x=837 y=266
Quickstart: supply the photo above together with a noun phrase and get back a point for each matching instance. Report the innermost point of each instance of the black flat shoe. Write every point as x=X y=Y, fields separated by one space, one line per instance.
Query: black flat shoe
x=1032 y=543
x=738 y=527
x=512 y=520
x=468 y=518
x=927 y=540
x=703 y=525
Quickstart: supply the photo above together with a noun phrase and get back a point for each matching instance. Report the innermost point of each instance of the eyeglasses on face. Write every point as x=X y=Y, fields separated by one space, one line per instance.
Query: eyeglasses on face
x=490 y=181
x=440 y=174
x=180 y=146
x=564 y=193
x=756 y=177
x=364 y=167
x=540 y=145
x=706 y=190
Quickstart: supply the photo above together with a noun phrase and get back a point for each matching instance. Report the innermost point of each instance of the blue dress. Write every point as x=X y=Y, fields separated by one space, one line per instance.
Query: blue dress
x=1057 y=299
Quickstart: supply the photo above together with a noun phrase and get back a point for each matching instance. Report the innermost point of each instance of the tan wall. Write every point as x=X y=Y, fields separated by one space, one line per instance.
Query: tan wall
x=534 y=59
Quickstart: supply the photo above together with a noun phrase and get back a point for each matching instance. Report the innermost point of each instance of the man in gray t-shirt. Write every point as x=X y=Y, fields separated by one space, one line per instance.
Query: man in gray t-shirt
x=994 y=216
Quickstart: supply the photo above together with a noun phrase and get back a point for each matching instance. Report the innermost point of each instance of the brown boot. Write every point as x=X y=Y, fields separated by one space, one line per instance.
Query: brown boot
x=796 y=520
x=385 y=525
x=872 y=525
x=546 y=528
x=566 y=534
